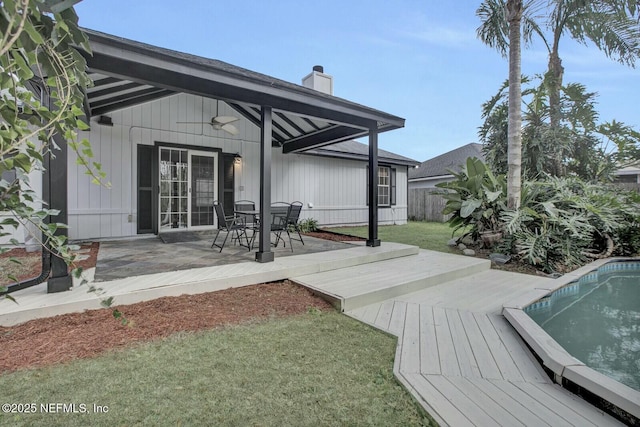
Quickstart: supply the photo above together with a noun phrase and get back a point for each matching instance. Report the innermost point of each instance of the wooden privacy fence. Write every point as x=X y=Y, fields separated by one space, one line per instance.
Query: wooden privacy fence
x=426 y=204
x=629 y=185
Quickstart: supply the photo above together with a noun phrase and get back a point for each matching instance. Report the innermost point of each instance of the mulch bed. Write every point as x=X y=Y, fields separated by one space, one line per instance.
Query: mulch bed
x=31 y=265
x=63 y=338
x=336 y=237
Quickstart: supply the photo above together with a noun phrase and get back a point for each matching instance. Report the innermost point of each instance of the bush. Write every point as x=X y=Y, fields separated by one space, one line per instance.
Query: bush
x=475 y=199
x=308 y=225
x=563 y=223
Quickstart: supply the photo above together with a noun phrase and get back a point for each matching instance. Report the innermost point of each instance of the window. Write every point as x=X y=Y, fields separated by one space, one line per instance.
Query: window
x=386 y=186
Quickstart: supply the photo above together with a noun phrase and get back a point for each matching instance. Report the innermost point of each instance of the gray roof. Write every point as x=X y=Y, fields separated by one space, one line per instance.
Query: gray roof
x=452 y=160
x=127 y=72
x=358 y=151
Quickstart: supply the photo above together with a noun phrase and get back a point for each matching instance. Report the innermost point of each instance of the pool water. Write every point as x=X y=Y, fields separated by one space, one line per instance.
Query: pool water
x=597 y=320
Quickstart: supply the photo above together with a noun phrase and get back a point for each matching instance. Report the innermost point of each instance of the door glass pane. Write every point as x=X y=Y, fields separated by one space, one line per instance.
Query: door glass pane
x=173 y=188
x=202 y=190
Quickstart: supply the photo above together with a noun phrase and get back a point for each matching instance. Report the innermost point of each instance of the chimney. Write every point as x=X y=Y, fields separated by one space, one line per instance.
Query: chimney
x=318 y=80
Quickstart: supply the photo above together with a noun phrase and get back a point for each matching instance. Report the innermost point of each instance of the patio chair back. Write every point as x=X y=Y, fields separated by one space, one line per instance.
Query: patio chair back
x=294 y=217
x=245 y=205
x=280 y=212
x=231 y=225
x=222 y=220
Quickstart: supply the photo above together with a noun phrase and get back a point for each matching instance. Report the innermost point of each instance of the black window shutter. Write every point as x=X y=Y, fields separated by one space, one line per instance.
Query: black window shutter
x=367 y=177
x=228 y=197
x=392 y=190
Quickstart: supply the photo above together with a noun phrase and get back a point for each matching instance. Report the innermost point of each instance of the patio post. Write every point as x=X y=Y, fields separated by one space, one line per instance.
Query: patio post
x=55 y=195
x=373 y=188
x=264 y=253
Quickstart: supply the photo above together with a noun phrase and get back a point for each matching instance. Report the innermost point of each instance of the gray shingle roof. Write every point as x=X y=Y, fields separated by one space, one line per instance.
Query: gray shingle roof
x=358 y=151
x=441 y=164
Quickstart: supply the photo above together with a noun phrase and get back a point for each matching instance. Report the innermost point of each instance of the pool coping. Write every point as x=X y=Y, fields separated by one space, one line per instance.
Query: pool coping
x=557 y=359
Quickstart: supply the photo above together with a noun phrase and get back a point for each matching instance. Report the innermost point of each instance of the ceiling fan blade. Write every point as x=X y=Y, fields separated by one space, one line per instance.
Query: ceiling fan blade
x=229 y=128
x=223 y=120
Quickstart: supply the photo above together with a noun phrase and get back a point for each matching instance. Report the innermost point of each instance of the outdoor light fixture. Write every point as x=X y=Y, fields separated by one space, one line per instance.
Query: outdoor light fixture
x=105 y=121
x=237 y=158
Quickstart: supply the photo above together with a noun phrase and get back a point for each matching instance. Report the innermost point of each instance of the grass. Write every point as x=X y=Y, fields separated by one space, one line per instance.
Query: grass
x=427 y=235
x=309 y=370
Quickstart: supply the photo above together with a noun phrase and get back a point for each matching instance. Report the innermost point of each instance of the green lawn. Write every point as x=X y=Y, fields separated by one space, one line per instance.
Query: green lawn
x=427 y=235
x=310 y=370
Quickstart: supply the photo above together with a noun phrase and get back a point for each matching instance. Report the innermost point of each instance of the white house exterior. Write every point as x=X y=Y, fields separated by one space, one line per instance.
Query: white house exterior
x=331 y=182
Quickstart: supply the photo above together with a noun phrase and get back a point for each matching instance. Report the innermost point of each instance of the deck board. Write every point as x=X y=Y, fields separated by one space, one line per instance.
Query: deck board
x=411 y=346
x=501 y=415
x=522 y=410
x=508 y=368
x=466 y=359
x=482 y=352
x=526 y=363
x=463 y=403
x=429 y=359
x=446 y=349
x=438 y=403
x=553 y=400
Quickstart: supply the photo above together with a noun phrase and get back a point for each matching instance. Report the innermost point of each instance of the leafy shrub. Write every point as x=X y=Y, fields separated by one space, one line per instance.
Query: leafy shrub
x=308 y=225
x=565 y=222
x=475 y=198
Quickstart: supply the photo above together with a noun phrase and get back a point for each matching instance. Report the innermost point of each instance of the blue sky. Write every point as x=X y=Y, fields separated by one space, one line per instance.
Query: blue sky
x=415 y=59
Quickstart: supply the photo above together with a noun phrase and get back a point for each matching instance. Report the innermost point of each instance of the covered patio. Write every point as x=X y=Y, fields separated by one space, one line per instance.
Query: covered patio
x=290 y=117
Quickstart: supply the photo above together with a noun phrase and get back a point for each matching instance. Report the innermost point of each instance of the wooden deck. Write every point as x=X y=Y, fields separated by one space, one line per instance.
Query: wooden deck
x=457 y=355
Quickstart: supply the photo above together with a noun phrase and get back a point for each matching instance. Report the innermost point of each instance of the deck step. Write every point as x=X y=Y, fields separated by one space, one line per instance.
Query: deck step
x=357 y=286
x=36 y=303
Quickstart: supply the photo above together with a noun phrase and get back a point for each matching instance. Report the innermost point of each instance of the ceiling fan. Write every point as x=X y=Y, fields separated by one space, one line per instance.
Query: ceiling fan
x=220 y=123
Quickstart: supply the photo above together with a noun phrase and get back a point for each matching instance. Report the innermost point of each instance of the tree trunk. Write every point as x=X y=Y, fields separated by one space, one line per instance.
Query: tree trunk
x=554 y=84
x=514 y=134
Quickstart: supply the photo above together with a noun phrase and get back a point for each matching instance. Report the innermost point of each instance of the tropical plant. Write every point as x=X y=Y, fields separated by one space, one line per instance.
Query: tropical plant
x=475 y=198
x=590 y=150
x=565 y=222
x=612 y=25
x=42 y=81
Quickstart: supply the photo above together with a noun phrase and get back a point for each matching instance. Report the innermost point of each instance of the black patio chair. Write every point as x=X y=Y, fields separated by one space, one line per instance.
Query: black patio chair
x=252 y=221
x=294 y=217
x=280 y=212
x=232 y=225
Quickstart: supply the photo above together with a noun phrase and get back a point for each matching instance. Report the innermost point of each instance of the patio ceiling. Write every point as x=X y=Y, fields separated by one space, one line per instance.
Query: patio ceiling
x=128 y=73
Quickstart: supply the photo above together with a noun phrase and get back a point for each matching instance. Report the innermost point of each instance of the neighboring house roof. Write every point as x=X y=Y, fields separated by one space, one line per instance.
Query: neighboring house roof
x=441 y=165
x=358 y=151
x=127 y=72
x=628 y=170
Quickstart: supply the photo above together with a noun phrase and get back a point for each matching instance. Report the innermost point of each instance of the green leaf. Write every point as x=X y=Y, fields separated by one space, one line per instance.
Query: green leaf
x=469 y=206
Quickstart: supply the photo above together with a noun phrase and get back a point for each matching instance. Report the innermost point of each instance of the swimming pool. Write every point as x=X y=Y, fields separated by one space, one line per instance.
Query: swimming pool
x=589 y=341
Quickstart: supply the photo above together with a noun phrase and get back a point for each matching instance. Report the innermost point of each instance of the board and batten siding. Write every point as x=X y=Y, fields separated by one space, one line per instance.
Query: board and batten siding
x=335 y=187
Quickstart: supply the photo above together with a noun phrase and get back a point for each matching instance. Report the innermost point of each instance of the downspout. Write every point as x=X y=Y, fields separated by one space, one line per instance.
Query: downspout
x=44 y=274
x=45 y=268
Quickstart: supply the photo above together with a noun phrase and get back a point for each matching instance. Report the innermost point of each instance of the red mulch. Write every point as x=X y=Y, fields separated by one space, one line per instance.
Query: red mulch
x=62 y=338
x=336 y=237
x=31 y=265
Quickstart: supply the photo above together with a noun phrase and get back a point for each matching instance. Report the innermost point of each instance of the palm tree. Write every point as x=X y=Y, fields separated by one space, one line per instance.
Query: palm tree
x=514 y=133
x=612 y=25
x=506 y=20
